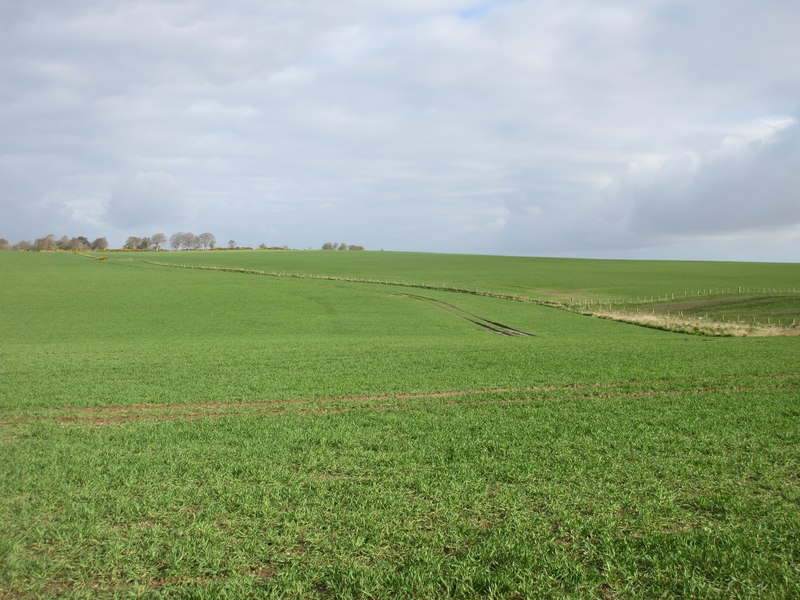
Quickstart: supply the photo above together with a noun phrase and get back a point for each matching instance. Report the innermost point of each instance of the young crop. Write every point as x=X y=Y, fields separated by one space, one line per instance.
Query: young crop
x=209 y=433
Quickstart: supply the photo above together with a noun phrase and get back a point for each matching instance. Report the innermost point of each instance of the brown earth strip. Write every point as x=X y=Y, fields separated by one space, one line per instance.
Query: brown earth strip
x=292 y=401
x=401 y=406
x=277 y=407
x=440 y=394
x=164 y=410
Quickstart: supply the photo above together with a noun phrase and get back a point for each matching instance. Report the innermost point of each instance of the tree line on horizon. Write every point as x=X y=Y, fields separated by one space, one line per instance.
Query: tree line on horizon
x=183 y=240
x=49 y=243
x=179 y=241
x=337 y=246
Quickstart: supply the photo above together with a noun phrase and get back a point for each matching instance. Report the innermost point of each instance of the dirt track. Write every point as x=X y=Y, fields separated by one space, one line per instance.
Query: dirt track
x=107 y=415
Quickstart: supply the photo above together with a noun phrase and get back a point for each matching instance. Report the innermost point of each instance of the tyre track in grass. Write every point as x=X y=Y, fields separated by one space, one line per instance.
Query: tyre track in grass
x=692 y=328
x=107 y=415
x=493 y=326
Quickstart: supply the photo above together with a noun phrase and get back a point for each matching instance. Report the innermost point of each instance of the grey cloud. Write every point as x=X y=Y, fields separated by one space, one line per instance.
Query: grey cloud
x=440 y=124
x=746 y=185
x=146 y=200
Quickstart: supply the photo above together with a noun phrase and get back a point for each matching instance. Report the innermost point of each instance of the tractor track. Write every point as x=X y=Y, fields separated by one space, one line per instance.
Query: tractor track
x=108 y=415
x=493 y=326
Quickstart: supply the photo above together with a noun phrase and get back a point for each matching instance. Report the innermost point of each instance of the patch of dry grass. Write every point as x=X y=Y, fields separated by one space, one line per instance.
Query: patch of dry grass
x=695 y=325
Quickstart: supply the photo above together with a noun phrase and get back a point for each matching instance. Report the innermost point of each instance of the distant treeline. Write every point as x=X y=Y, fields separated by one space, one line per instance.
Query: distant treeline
x=183 y=240
x=335 y=246
x=51 y=244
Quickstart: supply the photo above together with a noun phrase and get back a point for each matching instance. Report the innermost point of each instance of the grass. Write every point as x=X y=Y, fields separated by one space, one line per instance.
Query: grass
x=557 y=278
x=171 y=432
x=622 y=290
x=572 y=497
x=734 y=313
x=770 y=308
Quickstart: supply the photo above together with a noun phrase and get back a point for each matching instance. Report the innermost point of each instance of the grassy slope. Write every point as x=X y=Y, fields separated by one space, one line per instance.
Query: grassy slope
x=750 y=292
x=129 y=333
x=558 y=277
x=683 y=480
x=758 y=307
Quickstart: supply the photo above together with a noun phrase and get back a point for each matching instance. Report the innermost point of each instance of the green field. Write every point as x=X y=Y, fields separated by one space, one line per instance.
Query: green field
x=761 y=294
x=546 y=277
x=199 y=433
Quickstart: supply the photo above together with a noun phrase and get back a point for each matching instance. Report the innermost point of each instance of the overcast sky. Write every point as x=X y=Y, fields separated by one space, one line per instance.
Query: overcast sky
x=630 y=128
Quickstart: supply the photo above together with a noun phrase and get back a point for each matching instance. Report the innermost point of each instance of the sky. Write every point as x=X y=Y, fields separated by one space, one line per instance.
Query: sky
x=658 y=129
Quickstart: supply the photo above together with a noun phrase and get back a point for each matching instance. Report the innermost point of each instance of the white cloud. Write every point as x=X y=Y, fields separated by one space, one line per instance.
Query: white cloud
x=500 y=126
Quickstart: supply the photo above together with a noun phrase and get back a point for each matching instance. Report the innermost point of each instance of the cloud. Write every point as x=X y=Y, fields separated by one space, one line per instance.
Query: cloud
x=725 y=202
x=450 y=125
x=145 y=200
x=747 y=184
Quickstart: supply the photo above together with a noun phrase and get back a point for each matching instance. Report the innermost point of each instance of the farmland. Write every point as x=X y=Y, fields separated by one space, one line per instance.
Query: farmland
x=187 y=431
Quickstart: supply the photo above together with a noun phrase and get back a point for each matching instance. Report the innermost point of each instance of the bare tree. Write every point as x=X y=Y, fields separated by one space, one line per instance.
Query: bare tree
x=232 y=244
x=207 y=240
x=132 y=243
x=23 y=245
x=179 y=241
x=4 y=245
x=157 y=240
x=47 y=243
x=100 y=244
x=80 y=243
x=184 y=240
